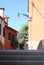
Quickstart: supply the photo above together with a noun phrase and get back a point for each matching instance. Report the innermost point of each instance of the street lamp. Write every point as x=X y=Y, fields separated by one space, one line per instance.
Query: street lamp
x=22 y=14
x=26 y=15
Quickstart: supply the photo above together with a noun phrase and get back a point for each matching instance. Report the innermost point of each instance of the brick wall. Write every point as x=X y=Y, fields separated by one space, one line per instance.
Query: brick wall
x=7 y=44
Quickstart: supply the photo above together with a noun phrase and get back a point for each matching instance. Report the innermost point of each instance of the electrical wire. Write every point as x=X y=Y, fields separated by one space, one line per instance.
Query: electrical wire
x=37 y=10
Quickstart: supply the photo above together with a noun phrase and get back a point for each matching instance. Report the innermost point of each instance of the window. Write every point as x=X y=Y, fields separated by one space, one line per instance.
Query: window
x=9 y=36
x=15 y=37
x=12 y=37
x=4 y=32
x=0 y=29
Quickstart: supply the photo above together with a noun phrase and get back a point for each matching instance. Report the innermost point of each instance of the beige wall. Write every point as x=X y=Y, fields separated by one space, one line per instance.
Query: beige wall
x=36 y=26
x=2 y=39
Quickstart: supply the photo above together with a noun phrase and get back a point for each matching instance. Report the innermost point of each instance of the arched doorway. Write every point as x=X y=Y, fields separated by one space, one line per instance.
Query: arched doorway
x=1 y=46
x=41 y=45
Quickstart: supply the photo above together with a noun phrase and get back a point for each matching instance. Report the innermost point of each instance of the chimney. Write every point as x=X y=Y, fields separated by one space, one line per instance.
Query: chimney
x=6 y=19
x=2 y=12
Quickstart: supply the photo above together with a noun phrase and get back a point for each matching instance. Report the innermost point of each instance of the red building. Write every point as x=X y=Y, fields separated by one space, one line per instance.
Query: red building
x=10 y=35
x=7 y=34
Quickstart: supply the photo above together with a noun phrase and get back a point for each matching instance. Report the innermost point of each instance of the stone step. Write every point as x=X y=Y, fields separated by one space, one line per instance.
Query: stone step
x=21 y=62
x=21 y=52
x=21 y=57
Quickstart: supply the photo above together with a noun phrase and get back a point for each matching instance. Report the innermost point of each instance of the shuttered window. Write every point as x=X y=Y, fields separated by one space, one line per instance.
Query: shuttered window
x=9 y=36
x=12 y=37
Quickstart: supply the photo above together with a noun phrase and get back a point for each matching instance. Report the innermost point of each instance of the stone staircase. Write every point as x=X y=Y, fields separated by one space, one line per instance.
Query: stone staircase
x=21 y=57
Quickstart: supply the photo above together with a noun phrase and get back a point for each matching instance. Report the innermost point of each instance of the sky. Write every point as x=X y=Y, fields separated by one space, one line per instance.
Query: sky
x=12 y=8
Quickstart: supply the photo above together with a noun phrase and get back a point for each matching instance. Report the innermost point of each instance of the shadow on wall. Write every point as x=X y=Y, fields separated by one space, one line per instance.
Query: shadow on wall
x=41 y=45
x=1 y=46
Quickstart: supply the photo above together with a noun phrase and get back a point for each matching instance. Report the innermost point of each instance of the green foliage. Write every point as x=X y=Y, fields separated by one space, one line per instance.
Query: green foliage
x=23 y=35
x=22 y=44
x=24 y=29
x=24 y=32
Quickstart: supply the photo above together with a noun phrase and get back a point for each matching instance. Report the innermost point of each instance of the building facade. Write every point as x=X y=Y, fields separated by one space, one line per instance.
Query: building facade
x=7 y=34
x=10 y=36
x=36 y=24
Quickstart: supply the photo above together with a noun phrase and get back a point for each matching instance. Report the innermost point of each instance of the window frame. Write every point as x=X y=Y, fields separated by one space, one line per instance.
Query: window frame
x=4 y=31
x=13 y=37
